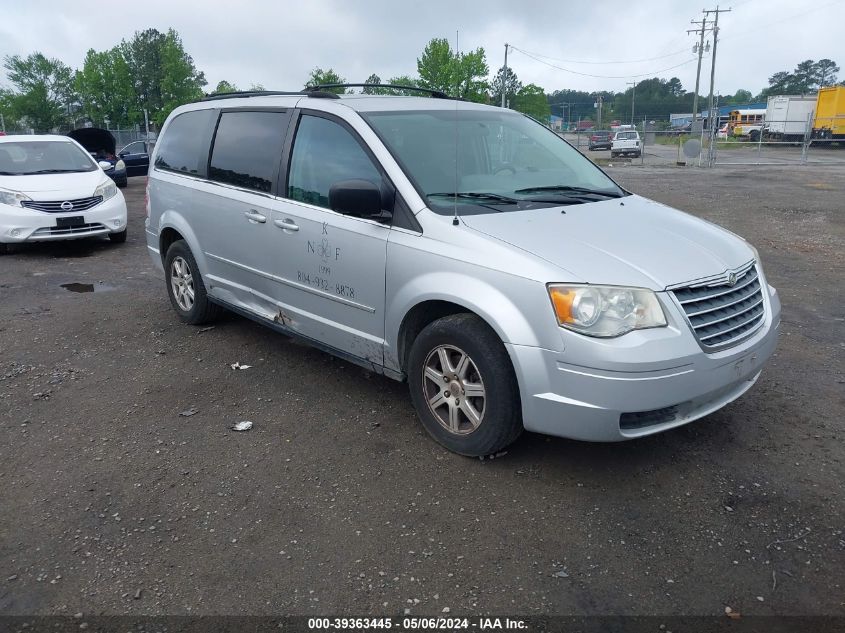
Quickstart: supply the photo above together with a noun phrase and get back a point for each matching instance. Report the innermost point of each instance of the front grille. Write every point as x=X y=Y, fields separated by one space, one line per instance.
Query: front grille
x=722 y=315
x=77 y=229
x=55 y=206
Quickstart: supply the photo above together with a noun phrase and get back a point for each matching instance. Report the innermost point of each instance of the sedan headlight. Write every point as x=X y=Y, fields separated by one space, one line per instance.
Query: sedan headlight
x=605 y=311
x=12 y=198
x=119 y=165
x=107 y=190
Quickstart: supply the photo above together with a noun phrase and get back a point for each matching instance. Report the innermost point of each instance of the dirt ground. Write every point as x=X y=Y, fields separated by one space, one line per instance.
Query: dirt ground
x=338 y=502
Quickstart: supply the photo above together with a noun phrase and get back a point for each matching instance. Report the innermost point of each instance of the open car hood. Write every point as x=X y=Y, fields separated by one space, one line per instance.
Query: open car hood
x=94 y=139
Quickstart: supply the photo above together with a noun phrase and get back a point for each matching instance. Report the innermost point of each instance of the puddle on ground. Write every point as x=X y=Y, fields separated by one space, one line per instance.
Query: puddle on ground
x=78 y=287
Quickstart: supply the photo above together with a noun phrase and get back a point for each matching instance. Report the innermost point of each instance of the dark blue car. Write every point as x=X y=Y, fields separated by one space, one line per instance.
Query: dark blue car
x=100 y=144
x=136 y=155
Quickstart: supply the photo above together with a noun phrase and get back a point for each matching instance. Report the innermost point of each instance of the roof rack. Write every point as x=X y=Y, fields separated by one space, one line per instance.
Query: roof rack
x=437 y=94
x=249 y=93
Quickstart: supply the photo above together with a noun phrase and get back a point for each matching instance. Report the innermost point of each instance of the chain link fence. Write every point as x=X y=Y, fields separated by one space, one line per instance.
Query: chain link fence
x=122 y=138
x=778 y=142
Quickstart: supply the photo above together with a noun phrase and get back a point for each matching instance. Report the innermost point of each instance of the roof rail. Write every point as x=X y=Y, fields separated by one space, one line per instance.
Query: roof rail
x=437 y=94
x=249 y=93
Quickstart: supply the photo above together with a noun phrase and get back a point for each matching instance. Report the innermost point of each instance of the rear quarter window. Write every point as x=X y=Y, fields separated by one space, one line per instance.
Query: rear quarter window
x=183 y=146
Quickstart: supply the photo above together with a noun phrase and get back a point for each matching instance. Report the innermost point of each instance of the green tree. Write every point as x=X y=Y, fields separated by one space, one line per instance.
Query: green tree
x=436 y=66
x=457 y=74
x=531 y=100
x=505 y=81
x=825 y=72
x=742 y=97
x=320 y=77
x=44 y=92
x=470 y=76
x=8 y=110
x=105 y=89
x=224 y=87
x=804 y=76
x=143 y=56
x=371 y=80
x=403 y=80
x=674 y=87
x=181 y=82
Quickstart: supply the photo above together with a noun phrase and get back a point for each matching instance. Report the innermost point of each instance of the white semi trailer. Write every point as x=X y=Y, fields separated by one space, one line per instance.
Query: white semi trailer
x=788 y=117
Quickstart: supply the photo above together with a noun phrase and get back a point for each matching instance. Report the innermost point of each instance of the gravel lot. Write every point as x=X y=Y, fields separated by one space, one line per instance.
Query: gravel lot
x=338 y=502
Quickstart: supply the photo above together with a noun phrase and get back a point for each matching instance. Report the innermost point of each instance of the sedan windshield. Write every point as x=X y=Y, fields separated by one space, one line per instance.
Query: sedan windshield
x=25 y=158
x=488 y=161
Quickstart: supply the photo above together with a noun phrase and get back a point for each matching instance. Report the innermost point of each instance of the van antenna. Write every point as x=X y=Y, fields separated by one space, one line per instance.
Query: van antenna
x=457 y=54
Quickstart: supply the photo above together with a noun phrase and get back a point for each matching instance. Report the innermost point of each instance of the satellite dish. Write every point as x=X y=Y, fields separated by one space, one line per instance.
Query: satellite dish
x=692 y=148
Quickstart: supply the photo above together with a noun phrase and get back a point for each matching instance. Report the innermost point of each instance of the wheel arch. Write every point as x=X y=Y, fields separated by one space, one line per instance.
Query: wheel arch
x=174 y=227
x=496 y=310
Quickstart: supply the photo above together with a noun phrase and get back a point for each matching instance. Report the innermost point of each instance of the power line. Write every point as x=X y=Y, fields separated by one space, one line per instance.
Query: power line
x=624 y=61
x=758 y=27
x=575 y=72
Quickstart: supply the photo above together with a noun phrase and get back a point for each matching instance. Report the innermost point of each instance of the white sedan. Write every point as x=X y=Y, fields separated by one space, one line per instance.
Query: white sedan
x=51 y=189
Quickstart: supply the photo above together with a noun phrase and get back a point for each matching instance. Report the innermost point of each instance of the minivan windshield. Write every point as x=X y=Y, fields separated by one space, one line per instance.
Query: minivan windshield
x=26 y=158
x=488 y=160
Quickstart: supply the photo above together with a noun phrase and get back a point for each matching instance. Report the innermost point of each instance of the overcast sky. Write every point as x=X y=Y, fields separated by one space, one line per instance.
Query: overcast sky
x=277 y=43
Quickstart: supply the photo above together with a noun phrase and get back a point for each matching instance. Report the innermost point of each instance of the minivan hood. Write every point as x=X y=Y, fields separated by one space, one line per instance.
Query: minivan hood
x=65 y=186
x=630 y=241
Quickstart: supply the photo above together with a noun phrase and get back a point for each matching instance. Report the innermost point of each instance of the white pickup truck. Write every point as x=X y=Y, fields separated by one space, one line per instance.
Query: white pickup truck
x=626 y=142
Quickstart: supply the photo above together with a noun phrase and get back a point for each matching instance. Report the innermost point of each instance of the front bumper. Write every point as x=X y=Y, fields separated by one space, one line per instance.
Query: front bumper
x=18 y=224
x=653 y=381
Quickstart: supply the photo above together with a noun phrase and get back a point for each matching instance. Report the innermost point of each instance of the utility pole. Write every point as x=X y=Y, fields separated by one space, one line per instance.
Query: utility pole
x=713 y=123
x=633 y=85
x=700 y=49
x=597 y=105
x=505 y=76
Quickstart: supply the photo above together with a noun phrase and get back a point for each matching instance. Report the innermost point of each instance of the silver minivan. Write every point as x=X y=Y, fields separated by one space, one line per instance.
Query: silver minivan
x=464 y=248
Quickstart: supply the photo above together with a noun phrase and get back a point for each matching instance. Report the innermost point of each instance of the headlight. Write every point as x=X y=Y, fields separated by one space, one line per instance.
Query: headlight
x=119 y=165
x=13 y=198
x=605 y=311
x=107 y=190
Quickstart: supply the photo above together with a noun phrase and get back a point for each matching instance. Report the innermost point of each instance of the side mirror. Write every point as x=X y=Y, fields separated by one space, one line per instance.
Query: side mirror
x=104 y=165
x=122 y=154
x=358 y=198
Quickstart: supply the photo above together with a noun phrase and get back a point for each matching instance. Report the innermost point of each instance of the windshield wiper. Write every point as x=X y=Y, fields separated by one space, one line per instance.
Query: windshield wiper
x=9 y=173
x=477 y=195
x=53 y=171
x=571 y=190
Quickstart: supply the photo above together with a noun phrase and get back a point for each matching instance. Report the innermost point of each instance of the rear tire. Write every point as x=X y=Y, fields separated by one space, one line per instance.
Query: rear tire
x=4 y=249
x=185 y=287
x=118 y=238
x=463 y=386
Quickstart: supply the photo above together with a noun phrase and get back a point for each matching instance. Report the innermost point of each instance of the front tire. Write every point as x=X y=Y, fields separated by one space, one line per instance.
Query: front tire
x=185 y=288
x=4 y=249
x=463 y=386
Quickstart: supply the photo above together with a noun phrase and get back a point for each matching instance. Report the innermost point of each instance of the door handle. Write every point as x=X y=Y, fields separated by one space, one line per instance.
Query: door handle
x=254 y=216
x=287 y=224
